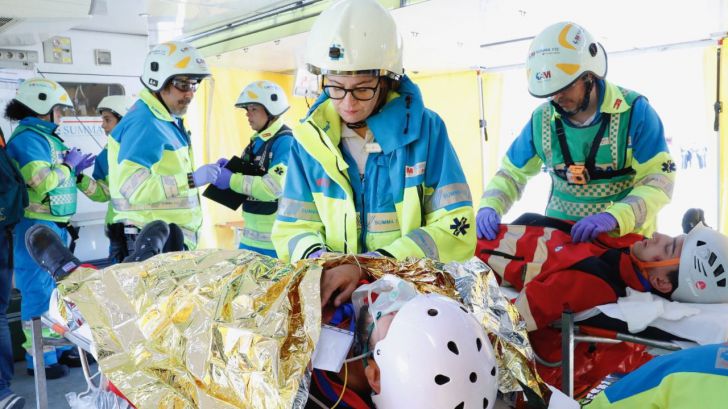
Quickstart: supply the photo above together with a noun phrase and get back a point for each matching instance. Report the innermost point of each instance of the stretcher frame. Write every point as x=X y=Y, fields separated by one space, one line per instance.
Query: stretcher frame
x=571 y=334
x=83 y=345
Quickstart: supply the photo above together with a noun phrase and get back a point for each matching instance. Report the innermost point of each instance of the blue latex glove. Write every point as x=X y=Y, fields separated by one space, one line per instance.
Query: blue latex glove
x=590 y=227
x=222 y=162
x=73 y=158
x=223 y=180
x=487 y=223
x=87 y=162
x=206 y=174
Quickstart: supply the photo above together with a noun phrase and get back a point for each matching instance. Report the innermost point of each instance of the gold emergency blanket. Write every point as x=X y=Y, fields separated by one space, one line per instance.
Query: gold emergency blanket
x=202 y=329
x=224 y=329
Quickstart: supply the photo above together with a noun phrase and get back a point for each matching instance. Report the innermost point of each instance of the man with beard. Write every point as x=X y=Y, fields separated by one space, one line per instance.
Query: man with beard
x=151 y=169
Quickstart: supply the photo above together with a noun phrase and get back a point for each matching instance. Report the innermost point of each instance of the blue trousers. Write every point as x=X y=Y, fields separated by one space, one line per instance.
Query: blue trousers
x=34 y=283
x=6 y=344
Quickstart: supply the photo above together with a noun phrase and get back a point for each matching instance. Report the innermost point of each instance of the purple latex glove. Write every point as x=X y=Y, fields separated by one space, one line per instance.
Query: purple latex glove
x=372 y=254
x=317 y=253
x=87 y=162
x=206 y=174
x=487 y=223
x=223 y=180
x=590 y=227
x=222 y=162
x=73 y=158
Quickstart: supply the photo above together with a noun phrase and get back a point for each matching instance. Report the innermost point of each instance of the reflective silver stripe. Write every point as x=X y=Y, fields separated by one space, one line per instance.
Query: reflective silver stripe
x=539 y=256
x=190 y=235
x=256 y=235
x=382 y=222
x=507 y=176
x=447 y=195
x=425 y=242
x=38 y=208
x=502 y=197
x=38 y=177
x=170 y=186
x=658 y=181
x=61 y=176
x=297 y=209
x=247 y=185
x=133 y=182
x=272 y=185
x=104 y=186
x=189 y=202
x=639 y=208
x=293 y=243
x=91 y=188
x=614 y=138
x=546 y=134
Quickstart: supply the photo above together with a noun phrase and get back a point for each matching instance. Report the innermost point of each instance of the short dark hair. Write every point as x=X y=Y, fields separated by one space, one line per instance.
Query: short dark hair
x=672 y=276
x=16 y=111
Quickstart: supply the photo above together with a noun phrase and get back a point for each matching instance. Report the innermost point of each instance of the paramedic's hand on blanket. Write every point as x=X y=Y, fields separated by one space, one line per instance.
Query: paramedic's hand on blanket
x=87 y=161
x=222 y=162
x=223 y=179
x=206 y=174
x=590 y=227
x=338 y=283
x=487 y=222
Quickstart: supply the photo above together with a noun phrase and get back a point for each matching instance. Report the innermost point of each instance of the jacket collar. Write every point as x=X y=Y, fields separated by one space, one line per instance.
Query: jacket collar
x=155 y=105
x=39 y=124
x=270 y=131
x=395 y=125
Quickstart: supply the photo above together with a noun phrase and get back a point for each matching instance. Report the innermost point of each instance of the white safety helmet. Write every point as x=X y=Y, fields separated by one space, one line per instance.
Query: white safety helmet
x=268 y=94
x=170 y=59
x=355 y=36
x=561 y=54
x=41 y=95
x=435 y=355
x=703 y=271
x=117 y=104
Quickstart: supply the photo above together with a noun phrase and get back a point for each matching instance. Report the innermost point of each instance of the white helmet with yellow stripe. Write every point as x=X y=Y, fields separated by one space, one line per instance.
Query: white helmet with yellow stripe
x=41 y=95
x=560 y=55
x=170 y=59
x=268 y=94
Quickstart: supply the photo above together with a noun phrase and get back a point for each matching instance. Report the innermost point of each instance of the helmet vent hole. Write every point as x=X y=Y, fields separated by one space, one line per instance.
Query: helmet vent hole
x=441 y=379
x=432 y=312
x=478 y=344
x=712 y=258
x=718 y=271
x=721 y=283
x=492 y=371
x=593 y=49
x=700 y=243
x=460 y=405
x=453 y=348
x=42 y=96
x=473 y=377
x=485 y=403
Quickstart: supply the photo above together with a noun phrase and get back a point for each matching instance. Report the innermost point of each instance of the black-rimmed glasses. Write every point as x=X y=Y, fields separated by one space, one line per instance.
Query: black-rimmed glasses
x=359 y=93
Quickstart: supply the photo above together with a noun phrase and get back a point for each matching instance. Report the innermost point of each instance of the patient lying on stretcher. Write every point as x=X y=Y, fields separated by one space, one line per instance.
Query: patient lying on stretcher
x=536 y=256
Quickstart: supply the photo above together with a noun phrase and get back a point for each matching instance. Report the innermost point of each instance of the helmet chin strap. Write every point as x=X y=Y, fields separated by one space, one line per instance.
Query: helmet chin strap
x=644 y=266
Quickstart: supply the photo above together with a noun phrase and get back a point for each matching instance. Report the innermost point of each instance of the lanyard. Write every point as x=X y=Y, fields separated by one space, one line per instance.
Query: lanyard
x=591 y=158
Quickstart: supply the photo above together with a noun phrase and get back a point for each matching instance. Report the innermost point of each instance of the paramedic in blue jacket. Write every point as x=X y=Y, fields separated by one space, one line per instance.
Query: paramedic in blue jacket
x=372 y=169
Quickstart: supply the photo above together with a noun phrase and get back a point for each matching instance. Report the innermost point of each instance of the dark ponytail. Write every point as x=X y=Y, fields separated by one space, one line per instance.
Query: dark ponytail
x=16 y=111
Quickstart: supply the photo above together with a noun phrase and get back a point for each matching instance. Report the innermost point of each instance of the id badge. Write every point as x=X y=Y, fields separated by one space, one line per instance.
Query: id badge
x=332 y=348
x=577 y=175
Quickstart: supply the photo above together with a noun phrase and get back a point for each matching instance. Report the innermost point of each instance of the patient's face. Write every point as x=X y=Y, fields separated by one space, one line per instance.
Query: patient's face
x=659 y=247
